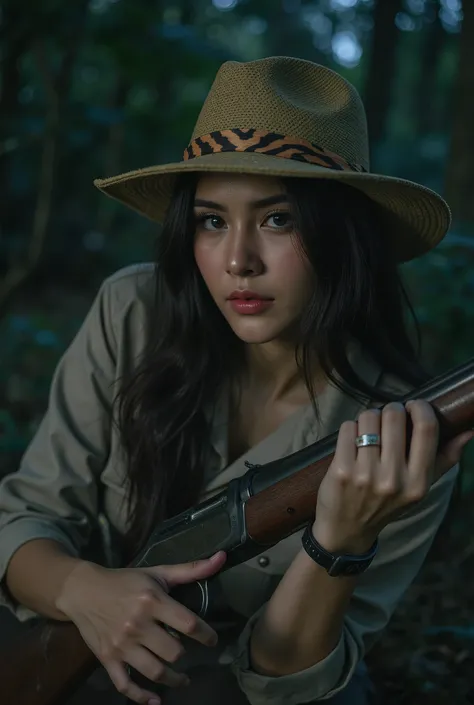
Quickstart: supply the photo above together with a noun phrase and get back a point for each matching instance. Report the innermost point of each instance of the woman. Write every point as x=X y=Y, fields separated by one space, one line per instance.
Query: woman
x=273 y=316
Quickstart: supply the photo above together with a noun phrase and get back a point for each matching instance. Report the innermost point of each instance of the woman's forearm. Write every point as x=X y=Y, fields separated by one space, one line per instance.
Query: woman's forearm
x=36 y=576
x=302 y=622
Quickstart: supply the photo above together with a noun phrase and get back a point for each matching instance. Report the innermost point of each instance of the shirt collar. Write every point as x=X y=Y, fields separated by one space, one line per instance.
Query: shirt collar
x=296 y=432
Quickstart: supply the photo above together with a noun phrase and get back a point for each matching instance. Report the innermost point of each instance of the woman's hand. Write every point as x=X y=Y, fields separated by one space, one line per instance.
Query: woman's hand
x=366 y=488
x=119 y=612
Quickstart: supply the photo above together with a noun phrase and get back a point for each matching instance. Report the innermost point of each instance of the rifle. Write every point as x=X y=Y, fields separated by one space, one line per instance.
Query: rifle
x=253 y=513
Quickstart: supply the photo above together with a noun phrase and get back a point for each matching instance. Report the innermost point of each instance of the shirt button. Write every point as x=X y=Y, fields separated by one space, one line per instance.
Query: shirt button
x=263 y=561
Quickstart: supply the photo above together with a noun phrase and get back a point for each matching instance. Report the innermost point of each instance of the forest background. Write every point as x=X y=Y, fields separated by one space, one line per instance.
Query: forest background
x=94 y=87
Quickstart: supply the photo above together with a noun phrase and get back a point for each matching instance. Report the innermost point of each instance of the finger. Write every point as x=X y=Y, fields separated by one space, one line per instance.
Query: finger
x=125 y=686
x=346 y=450
x=451 y=452
x=368 y=457
x=154 y=669
x=167 y=647
x=393 y=453
x=423 y=449
x=178 y=617
x=188 y=572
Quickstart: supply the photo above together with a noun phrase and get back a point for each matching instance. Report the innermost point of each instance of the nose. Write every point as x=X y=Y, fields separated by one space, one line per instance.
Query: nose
x=243 y=256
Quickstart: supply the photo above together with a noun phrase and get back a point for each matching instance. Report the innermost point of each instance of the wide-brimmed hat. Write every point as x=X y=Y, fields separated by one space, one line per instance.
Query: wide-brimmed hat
x=289 y=117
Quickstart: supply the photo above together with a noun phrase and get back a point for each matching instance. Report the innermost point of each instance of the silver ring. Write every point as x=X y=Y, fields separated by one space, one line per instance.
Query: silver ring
x=368 y=439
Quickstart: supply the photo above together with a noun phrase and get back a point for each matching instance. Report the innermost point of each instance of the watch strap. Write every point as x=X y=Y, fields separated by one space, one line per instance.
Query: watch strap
x=337 y=564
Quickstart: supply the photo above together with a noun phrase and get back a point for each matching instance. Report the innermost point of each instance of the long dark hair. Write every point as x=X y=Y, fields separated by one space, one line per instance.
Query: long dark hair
x=192 y=350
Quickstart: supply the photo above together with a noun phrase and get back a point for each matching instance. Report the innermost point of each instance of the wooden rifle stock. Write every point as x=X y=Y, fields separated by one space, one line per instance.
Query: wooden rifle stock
x=49 y=662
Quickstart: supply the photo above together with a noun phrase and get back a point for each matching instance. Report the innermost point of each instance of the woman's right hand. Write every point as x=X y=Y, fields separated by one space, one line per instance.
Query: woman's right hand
x=118 y=613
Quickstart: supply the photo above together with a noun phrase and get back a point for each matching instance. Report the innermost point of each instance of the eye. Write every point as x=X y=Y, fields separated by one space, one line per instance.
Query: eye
x=280 y=220
x=209 y=221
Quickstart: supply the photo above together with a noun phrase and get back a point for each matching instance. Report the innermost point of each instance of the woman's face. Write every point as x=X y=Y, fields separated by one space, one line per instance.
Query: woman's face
x=246 y=250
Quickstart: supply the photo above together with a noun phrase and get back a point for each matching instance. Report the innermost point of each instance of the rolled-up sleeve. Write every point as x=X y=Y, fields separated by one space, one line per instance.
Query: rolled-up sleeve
x=55 y=492
x=403 y=546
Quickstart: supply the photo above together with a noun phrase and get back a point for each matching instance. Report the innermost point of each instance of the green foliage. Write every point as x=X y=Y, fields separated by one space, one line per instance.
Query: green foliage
x=442 y=285
x=32 y=343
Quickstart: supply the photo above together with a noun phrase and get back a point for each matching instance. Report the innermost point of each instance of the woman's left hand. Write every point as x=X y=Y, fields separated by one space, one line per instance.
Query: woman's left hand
x=366 y=488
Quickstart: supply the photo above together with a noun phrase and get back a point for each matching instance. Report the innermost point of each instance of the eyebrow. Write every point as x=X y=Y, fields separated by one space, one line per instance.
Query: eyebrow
x=260 y=203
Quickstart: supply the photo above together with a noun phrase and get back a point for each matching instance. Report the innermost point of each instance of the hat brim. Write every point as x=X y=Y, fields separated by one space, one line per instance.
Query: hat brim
x=417 y=221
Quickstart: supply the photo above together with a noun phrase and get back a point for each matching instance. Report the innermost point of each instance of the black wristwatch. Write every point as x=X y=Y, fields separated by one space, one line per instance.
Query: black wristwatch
x=336 y=564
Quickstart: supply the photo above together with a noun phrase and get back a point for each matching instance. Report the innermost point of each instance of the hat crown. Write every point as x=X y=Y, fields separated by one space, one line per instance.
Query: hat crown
x=292 y=97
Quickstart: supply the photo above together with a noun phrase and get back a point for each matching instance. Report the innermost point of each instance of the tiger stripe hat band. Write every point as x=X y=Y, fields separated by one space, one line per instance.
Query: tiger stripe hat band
x=265 y=142
x=287 y=117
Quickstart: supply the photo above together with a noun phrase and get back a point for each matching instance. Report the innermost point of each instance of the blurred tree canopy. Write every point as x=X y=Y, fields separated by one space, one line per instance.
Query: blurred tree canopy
x=94 y=87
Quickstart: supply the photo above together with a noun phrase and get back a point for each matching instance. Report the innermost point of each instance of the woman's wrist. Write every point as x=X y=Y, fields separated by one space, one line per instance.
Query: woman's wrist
x=76 y=579
x=36 y=576
x=355 y=545
x=302 y=621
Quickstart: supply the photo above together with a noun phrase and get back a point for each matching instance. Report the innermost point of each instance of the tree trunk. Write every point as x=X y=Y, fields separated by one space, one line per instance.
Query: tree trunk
x=16 y=37
x=381 y=68
x=428 y=117
x=459 y=187
x=56 y=87
x=189 y=11
x=287 y=36
x=113 y=154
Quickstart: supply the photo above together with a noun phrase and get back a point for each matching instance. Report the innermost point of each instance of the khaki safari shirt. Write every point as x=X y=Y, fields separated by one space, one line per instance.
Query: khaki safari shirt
x=71 y=486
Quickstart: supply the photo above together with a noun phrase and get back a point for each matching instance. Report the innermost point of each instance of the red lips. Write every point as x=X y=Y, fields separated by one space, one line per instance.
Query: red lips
x=246 y=295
